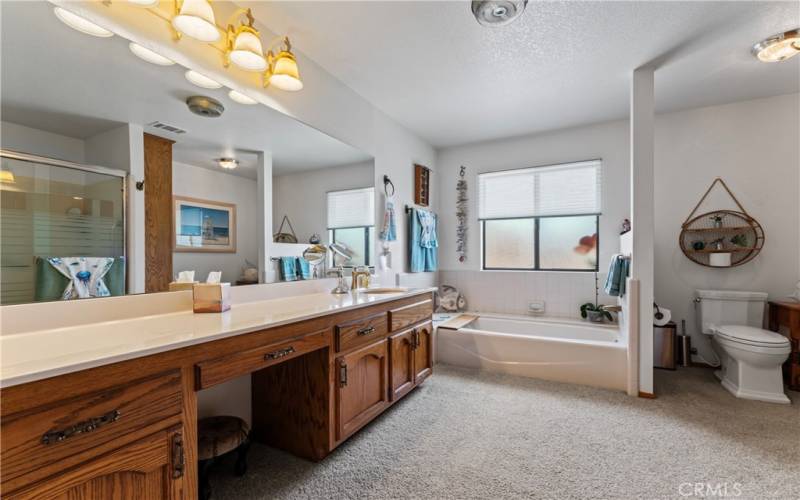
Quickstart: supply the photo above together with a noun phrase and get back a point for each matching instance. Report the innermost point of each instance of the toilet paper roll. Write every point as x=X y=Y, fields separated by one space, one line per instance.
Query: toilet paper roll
x=665 y=318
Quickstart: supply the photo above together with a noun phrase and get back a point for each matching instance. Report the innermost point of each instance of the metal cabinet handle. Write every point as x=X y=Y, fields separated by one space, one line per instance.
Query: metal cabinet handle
x=366 y=330
x=342 y=375
x=178 y=457
x=80 y=428
x=279 y=353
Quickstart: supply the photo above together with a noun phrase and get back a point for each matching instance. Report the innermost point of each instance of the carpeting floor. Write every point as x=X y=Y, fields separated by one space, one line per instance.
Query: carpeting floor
x=467 y=434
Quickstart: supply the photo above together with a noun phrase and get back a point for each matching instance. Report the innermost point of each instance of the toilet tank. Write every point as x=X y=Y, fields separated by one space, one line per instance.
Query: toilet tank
x=727 y=307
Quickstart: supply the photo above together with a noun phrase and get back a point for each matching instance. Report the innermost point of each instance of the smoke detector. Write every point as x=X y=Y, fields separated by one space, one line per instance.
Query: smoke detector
x=497 y=12
x=205 y=106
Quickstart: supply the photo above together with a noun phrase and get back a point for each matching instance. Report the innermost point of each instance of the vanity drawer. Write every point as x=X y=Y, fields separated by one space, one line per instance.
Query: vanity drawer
x=216 y=371
x=361 y=331
x=408 y=315
x=42 y=441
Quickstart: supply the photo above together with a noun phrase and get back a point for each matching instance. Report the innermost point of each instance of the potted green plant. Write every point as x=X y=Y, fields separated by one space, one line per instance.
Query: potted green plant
x=596 y=313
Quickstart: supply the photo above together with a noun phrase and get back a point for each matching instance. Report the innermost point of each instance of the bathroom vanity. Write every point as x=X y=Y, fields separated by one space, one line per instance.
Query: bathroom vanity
x=102 y=421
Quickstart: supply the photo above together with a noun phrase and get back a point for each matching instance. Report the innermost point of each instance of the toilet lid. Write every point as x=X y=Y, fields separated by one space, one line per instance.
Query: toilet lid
x=752 y=335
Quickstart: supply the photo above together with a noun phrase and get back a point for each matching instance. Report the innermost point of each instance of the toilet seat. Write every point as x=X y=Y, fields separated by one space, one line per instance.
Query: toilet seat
x=751 y=336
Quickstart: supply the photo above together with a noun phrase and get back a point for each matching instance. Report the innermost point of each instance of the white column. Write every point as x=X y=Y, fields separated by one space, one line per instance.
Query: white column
x=264 y=216
x=642 y=114
x=135 y=224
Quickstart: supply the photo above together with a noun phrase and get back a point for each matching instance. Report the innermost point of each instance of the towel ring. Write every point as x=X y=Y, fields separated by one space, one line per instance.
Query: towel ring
x=386 y=183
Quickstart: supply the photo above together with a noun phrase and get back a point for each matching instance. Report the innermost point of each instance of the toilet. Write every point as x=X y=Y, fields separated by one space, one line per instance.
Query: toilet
x=750 y=357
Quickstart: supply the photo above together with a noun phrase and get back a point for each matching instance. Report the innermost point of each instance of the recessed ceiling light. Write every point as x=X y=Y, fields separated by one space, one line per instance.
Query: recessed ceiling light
x=228 y=163
x=241 y=98
x=150 y=55
x=778 y=47
x=81 y=24
x=79 y=198
x=202 y=80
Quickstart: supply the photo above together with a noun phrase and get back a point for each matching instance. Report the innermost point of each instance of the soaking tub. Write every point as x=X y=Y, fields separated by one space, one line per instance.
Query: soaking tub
x=563 y=350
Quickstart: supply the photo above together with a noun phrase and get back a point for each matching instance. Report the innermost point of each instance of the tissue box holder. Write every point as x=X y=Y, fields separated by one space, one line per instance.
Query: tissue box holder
x=177 y=286
x=212 y=297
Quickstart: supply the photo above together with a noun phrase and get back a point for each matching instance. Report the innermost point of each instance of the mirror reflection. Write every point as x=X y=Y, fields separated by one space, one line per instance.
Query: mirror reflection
x=121 y=176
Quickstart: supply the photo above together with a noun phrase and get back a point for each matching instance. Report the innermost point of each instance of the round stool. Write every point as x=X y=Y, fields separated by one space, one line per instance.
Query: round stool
x=217 y=436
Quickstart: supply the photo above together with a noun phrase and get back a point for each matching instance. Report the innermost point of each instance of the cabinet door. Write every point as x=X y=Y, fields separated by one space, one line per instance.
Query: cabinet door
x=149 y=468
x=362 y=393
x=401 y=363
x=423 y=352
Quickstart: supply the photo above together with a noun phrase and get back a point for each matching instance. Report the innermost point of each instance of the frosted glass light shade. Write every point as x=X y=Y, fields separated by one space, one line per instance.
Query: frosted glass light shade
x=202 y=80
x=778 y=47
x=150 y=55
x=144 y=3
x=285 y=74
x=81 y=24
x=247 y=51
x=196 y=20
x=241 y=98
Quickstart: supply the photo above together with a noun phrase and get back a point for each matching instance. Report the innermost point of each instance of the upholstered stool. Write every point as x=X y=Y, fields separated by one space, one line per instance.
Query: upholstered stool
x=217 y=436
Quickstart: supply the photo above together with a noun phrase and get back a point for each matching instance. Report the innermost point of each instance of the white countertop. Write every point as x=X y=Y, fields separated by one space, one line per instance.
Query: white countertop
x=31 y=356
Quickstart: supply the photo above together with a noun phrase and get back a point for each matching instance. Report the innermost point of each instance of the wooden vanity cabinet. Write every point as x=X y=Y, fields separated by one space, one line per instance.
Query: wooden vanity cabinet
x=423 y=352
x=401 y=361
x=362 y=387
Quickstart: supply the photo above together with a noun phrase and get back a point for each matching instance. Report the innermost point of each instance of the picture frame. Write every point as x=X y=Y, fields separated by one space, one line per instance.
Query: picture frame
x=422 y=181
x=203 y=226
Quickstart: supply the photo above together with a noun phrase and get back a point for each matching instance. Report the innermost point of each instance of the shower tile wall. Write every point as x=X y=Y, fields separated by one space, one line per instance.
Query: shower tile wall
x=510 y=292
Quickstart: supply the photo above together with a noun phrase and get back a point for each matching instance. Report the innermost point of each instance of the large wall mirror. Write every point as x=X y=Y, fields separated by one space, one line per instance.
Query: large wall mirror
x=109 y=184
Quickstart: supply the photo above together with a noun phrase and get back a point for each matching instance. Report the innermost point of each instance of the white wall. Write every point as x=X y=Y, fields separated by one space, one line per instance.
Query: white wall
x=510 y=292
x=38 y=142
x=303 y=196
x=753 y=146
x=206 y=184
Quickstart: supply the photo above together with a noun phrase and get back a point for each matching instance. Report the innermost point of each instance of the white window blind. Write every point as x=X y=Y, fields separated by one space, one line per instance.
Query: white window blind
x=351 y=208
x=566 y=189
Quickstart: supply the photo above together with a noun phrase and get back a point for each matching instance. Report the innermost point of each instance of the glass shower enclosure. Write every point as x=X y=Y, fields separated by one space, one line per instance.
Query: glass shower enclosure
x=55 y=214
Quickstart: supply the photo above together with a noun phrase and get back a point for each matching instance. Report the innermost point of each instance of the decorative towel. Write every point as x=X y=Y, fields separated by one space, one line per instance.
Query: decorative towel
x=423 y=242
x=85 y=275
x=288 y=268
x=389 y=230
x=303 y=269
x=617 y=273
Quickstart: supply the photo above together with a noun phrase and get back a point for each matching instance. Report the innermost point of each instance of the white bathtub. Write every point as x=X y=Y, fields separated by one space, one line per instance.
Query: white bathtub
x=553 y=349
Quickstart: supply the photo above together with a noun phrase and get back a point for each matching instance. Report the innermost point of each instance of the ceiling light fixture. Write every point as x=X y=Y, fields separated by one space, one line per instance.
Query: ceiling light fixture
x=150 y=55
x=282 y=72
x=241 y=98
x=144 y=3
x=195 y=19
x=497 y=12
x=228 y=163
x=81 y=24
x=202 y=80
x=243 y=45
x=778 y=47
x=7 y=177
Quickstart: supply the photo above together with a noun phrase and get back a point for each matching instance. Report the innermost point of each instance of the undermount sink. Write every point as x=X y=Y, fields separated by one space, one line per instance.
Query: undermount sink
x=385 y=290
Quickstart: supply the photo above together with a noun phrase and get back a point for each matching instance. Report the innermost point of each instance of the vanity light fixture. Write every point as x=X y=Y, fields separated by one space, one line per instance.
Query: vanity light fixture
x=7 y=177
x=150 y=55
x=202 y=80
x=144 y=3
x=81 y=24
x=228 y=163
x=241 y=98
x=282 y=72
x=195 y=19
x=778 y=47
x=243 y=45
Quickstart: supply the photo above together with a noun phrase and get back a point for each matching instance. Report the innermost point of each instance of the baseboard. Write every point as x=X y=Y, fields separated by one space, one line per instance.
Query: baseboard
x=647 y=395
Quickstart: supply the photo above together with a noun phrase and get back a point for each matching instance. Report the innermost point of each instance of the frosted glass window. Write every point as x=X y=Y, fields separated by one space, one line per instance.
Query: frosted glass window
x=568 y=243
x=509 y=244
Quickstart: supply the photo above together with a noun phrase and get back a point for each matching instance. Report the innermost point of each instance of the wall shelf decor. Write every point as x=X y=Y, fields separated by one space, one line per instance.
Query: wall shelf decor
x=721 y=238
x=422 y=185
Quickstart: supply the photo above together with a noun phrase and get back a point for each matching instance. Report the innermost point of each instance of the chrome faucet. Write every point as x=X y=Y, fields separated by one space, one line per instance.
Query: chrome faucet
x=341 y=287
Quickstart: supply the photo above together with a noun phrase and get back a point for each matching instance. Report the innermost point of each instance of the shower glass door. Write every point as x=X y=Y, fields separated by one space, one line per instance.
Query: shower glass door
x=53 y=209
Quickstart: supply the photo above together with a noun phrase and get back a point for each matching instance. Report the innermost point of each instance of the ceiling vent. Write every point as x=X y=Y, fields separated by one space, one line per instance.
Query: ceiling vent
x=497 y=12
x=205 y=106
x=168 y=128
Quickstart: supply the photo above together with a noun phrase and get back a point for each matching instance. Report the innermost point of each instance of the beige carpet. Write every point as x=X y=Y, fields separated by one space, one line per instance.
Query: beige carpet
x=477 y=435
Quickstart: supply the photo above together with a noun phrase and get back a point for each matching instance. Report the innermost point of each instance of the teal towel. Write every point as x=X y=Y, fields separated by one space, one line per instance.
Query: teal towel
x=303 y=269
x=289 y=268
x=423 y=252
x=617 y=274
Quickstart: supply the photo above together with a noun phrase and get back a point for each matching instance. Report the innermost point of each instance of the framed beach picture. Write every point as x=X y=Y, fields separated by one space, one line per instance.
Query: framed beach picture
x=204 y=226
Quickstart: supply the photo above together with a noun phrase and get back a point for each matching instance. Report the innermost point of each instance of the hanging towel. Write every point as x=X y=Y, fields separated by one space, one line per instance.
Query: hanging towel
x=617 y=273
x=85 y=275
x=303 y=269
x=423 y=242
x=389 y=229
x=288 y=268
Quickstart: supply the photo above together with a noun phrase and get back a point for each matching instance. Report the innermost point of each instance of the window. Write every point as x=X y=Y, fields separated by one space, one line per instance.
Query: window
x=542 y=218
x=351 y=221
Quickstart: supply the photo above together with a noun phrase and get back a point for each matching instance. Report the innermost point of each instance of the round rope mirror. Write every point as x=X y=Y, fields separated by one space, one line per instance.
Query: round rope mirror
x=722 y=238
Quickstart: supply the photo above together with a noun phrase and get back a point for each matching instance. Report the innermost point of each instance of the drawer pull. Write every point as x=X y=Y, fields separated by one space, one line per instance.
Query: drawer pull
x=366 y=330
x=178 y=457
x=81 y=427
x=279 y=353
